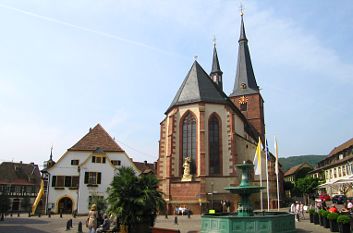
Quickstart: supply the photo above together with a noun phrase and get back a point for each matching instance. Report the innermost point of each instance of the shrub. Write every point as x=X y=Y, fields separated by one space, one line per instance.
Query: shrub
x=316 y=213
x=344 y=219
x=332 y=216
x=311 y=211
x=323 y=213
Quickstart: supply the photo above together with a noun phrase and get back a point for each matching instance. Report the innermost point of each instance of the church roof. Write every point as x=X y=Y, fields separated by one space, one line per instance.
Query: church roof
x=245 y=82
x=97 y=139
x=198 y=87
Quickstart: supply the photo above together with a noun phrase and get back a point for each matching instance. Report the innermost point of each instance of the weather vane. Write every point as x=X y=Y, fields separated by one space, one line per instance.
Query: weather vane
x=241 y=9
x=195 y=57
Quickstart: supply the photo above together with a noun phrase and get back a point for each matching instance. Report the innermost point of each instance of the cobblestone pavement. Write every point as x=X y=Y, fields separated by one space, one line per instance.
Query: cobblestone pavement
x=55 y=224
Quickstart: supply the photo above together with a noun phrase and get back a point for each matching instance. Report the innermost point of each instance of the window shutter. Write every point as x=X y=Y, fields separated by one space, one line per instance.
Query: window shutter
x=103 y=159
x=99 y=177
x=93 y=159
x=86 y=178
x=53 y=182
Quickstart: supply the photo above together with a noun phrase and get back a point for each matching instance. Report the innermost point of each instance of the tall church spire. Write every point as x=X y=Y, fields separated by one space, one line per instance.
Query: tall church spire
x=245 y=82
x=216 y=72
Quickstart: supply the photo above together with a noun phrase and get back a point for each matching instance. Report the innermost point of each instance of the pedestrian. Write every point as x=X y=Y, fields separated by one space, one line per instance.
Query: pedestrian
x=91 y=221
x=301 y=210
x=297 y=211
x=105 y=226
x=292 y=208
x=323 y=205
x=333 y=209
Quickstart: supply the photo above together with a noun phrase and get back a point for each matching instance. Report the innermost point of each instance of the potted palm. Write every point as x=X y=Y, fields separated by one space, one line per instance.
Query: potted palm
x=343 y=223
x=332 y=217
x=316 y=218
x=135 y=200
x=311 y=215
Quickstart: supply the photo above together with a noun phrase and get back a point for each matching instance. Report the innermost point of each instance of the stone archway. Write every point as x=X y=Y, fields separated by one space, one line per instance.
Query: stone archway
x=65 y=205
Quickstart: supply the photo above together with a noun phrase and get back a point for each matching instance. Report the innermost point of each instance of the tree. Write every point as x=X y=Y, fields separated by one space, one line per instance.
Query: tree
x=135 y=200
x=26 y=204
x=307 y=186
x=100 y=202
x=4 y=202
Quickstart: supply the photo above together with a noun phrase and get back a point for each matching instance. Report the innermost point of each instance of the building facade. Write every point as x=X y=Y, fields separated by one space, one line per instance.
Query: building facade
x=20 y=182
x=84 y=171
x=205 y=133
x=337 y=170
x=298 y=171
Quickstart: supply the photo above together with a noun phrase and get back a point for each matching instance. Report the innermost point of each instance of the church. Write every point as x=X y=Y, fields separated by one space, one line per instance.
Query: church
x=206 y=132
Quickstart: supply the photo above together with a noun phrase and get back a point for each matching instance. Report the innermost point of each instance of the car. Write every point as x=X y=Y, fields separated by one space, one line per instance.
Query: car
x=339 y=199
x=324 y=197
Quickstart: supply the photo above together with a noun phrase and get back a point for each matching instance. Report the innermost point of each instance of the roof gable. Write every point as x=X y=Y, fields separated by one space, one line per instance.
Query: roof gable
x=297 y=168
x=341 y=147
x=97 y=138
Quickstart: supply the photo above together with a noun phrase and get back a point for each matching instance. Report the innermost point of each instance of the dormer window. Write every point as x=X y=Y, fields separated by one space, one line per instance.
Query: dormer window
x=98 y=159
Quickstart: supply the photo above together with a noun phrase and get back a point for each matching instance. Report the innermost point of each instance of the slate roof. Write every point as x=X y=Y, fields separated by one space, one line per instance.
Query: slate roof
x=296 y=168
x=341 y=147
x=19 y=173
x=145 y=167
x=97 y=139
x=198 y=87
x=245 y=73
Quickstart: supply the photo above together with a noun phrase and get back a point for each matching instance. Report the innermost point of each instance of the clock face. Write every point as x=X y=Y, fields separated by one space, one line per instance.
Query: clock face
x=243 y=85
x=243 y=100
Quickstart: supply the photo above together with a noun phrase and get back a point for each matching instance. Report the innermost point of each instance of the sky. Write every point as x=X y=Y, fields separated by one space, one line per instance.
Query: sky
x=67 y=65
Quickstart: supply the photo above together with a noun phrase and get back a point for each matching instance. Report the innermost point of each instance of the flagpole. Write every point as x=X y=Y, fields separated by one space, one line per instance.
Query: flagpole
x=267 y=183
x=276 y=171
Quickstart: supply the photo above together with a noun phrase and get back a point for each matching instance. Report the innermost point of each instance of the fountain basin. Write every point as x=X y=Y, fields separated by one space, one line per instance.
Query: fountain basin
x=260 y=222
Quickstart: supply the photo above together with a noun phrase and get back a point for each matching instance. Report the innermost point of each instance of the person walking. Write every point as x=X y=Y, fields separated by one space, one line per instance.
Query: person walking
x=105 y=226
x=297 y=211
x=92 y=219
x=301 y=210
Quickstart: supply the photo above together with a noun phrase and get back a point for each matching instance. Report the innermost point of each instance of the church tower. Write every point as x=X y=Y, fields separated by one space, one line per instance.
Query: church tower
x=216 y=72
x=246 y=93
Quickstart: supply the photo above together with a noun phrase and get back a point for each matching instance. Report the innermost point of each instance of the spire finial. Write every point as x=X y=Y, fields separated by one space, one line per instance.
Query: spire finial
x=51 y=152
x=195 y=57
x=214 y=40
x=241 y=10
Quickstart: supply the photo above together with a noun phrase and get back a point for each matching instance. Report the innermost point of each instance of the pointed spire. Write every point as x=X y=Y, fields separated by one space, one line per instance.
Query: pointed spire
x=245 y=82
x=51 y=153
x=216 y=72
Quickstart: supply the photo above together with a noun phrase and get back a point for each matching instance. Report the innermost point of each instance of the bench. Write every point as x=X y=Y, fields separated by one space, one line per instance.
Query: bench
x=164 y=230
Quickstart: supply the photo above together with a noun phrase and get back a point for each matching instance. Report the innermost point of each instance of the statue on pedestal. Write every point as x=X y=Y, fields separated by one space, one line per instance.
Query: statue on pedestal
x=187 y=164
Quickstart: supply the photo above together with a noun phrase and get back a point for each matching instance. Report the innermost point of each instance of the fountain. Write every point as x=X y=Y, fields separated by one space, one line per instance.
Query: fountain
x=245 y=220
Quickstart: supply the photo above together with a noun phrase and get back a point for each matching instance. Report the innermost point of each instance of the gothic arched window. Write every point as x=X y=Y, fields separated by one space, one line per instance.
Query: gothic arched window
x=214 y=145
x=189 y=139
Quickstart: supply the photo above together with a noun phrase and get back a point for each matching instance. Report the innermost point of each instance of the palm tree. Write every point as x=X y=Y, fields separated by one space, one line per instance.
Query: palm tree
x=135 y=200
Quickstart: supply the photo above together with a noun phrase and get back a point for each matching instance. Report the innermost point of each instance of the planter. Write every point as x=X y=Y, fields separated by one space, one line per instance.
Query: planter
x=311 y=216
x=326 y=223
x=333 y=226
x=321 y=220
x=344 y=228
x=316 y=219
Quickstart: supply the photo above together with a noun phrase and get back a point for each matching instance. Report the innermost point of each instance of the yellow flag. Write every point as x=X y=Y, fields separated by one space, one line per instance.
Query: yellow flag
x=257 y=159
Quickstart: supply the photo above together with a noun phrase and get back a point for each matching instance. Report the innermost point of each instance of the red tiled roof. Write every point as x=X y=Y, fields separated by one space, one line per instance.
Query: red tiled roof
x=341 y=147
x=19 y=173
x=296 y=168
x=145 y=167
x=97 y=138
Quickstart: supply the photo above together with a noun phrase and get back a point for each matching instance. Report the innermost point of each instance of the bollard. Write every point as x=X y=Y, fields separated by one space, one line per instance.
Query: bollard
x=49 y=214
x=2 y=217
x=189 y=214
x=176 y=220
x=61 y=214
x=166 y=215
x=29 y=214
x=39 y=215
x=75 y=213
x=18 y=214
x=11 y=214
x=68 y=225
x=79 y=230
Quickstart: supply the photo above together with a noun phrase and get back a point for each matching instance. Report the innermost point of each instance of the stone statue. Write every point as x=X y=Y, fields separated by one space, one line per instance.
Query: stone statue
x=187 y=164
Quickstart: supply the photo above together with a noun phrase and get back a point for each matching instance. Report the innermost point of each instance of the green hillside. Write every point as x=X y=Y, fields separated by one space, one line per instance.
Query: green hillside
x=291 y=161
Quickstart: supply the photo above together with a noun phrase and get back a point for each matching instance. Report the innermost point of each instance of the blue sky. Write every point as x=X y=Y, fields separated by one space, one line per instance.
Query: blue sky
x=67 y=65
